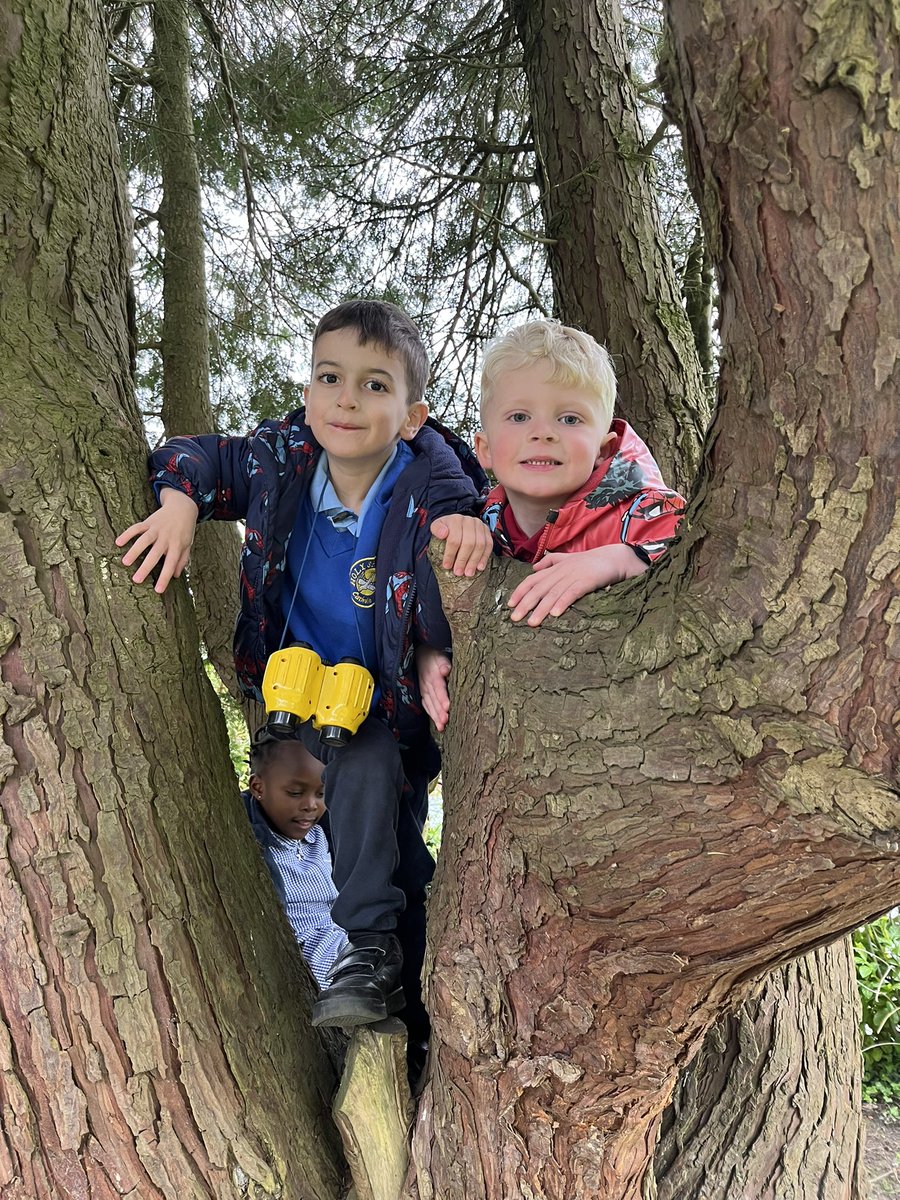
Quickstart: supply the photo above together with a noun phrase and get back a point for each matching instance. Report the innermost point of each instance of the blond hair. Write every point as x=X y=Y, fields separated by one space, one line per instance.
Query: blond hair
x=576 y=361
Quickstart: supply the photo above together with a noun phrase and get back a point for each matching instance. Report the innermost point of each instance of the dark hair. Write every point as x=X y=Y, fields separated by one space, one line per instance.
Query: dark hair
x=264 y=748
x=386 y=326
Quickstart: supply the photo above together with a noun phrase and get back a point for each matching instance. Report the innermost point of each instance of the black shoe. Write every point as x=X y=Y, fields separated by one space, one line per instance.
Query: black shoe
x=363 y=984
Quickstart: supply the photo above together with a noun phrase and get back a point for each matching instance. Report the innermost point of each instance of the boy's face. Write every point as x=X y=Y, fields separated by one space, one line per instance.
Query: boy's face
x=542 y=440
x=356 y=404
x=290 y=791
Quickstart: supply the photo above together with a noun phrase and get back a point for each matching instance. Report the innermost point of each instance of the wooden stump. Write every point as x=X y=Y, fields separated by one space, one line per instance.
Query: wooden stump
x=373 y=1110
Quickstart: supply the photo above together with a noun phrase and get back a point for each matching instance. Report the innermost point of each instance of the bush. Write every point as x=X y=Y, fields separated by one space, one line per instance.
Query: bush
x=876 y=948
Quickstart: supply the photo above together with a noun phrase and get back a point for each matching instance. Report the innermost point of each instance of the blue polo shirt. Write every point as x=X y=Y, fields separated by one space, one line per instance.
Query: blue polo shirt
x=332 y=550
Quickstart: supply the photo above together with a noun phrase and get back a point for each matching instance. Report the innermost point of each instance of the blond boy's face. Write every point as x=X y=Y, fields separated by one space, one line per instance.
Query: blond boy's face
x=542 y=440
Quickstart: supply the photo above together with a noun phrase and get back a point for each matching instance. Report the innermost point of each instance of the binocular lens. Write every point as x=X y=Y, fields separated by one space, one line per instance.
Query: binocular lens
x=334 y=735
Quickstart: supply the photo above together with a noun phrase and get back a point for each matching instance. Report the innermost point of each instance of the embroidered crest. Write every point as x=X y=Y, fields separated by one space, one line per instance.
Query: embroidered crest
x=362 y=581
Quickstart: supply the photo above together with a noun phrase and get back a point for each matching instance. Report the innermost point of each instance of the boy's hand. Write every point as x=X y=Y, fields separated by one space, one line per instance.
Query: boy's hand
x=433 y=668
x=166 y=534
x=561 y=579
x=469 y=543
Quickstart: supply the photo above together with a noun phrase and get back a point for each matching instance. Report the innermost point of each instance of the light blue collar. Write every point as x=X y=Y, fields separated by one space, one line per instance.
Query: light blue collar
x=325 y=499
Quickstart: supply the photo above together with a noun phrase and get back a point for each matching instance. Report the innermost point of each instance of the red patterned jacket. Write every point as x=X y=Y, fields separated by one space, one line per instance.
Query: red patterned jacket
x=625 y=500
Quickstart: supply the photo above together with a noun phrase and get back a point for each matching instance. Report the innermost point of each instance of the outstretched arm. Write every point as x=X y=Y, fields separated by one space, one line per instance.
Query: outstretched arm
x=561 y=579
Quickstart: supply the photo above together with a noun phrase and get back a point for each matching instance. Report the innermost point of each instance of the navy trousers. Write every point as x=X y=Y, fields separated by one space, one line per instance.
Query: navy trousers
x=377 y=802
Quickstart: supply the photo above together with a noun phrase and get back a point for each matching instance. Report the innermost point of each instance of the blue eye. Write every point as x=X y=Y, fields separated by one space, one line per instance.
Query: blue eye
x=518 y=417
x=328 y=377
x=375 y=385
x=570 y=419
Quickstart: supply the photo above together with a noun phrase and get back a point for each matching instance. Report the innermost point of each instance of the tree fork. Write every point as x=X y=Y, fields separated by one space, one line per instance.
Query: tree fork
x=686 y=783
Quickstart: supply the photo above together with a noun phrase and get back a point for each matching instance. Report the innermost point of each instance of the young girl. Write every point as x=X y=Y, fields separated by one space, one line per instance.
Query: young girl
x=285 y=803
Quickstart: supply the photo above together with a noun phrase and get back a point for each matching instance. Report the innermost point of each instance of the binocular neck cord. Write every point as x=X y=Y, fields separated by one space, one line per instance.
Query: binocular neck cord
x=309 y=538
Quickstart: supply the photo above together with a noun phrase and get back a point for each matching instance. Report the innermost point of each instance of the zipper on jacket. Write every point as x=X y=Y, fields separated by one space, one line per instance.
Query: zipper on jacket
x=552 y=518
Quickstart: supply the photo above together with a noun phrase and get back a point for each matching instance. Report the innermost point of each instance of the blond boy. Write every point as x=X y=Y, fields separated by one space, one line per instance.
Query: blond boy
x=578 y=494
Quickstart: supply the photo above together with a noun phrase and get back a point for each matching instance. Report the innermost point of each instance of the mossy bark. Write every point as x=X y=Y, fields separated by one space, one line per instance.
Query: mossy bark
x=186 y=406
x=684 y=784
x=154 y=1039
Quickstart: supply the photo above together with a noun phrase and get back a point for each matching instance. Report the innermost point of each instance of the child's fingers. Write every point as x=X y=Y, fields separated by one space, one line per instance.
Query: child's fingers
x=554 y=604
x=541 y=594
x=459 y=549
x=437 y=704
x=468 y=544
x=151 y=558
x=484 y=545
x=130 y=532
x=143 y=544
x=549 y=560
x=173 y=565
x=523 y=603
x=531 y=583
x=559 y=599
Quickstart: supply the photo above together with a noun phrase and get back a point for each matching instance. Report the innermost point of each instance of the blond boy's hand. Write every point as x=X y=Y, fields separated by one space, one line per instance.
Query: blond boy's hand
x=434 y=667
x=469 y=543
x=561 y=579
x=166 y=535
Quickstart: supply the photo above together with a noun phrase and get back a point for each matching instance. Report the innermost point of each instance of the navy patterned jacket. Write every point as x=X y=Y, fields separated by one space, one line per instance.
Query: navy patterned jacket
x=261 y=479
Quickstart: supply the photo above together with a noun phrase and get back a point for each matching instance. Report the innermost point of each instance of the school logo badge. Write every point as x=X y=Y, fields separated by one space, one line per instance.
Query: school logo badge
x=362 y=581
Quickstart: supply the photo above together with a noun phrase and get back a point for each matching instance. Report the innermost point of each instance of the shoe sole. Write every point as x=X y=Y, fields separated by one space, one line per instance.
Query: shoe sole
x=346 y=1013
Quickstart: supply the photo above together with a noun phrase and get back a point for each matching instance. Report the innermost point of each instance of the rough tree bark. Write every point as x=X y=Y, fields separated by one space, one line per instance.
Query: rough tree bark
x=696 y=778
x=186 y=406
x=771 y=1107
x=153 y=1039
x=611 y=270
x=696 y=289
x=706 y=1149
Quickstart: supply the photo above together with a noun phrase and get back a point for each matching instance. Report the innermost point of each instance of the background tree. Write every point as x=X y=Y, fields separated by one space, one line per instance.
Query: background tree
x=184 y=336
x=612 y=271
x=770 y=1106
x=146 y=1045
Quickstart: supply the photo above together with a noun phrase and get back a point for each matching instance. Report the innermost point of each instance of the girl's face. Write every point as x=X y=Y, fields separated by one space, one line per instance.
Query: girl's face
x=290 y=791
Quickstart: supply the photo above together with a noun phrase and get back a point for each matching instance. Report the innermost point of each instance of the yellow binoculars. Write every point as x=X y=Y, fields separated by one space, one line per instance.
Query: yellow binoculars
x=298 y=687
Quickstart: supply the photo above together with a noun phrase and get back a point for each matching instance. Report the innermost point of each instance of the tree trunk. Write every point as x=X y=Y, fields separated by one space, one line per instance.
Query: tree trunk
x=154 y=1039
x=788 y=1128
x=612 y=273
x=622 y=193
x=685 y=783
x=186 y=404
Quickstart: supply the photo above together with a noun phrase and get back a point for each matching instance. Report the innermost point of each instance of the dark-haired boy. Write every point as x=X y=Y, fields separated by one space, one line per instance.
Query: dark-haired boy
x=339 y=501
x=285 y=802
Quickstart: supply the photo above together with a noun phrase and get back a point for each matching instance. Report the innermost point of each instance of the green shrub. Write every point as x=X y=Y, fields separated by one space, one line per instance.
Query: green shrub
x=876 y=948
